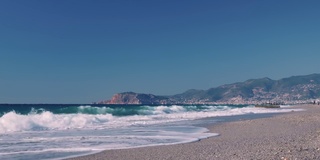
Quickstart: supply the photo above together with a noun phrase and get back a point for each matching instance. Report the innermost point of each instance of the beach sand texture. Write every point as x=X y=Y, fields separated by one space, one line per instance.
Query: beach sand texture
x=294 y=135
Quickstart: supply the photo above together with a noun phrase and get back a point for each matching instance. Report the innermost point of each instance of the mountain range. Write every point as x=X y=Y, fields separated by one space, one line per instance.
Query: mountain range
x=295 y=89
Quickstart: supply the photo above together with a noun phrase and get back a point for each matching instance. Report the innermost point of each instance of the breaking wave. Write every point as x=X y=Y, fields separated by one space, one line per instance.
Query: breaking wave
x=91 y=117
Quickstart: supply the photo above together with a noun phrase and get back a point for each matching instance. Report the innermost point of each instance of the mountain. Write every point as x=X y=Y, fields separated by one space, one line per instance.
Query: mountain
x=253 y=91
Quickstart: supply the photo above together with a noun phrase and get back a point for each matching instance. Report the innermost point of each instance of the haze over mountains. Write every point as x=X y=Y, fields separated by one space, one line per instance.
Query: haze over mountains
x=295 y=89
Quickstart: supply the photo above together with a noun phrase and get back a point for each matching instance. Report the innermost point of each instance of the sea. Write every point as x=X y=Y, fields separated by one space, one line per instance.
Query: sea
x=58 y=131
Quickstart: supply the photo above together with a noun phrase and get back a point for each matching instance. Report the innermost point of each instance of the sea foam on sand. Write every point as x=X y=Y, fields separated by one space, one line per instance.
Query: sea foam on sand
x=294 y=135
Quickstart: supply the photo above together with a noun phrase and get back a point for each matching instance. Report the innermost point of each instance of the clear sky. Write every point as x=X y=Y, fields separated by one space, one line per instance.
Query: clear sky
x=75 y=51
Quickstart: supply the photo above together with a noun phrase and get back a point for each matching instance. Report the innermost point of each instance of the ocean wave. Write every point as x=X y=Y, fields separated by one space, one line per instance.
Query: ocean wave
x=107 y=117
x=12 y=122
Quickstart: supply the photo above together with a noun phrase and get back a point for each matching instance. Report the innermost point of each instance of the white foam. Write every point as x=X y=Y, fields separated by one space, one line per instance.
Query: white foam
x=13 y=122
x=169 y=109
x=65 y=135
x=67 y=143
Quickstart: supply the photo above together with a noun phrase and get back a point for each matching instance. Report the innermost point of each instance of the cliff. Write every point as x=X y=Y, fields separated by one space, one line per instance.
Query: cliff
x=137 y=98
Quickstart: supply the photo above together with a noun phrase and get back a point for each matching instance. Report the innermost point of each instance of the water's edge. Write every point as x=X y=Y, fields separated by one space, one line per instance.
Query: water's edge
x=204 y=123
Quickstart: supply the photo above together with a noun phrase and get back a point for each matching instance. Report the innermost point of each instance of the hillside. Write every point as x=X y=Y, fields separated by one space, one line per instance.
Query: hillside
x=253 y=91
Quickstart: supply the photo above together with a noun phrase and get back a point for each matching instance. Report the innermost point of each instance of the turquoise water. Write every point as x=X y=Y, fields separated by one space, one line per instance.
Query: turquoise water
x=55 y=131
x=115 y=110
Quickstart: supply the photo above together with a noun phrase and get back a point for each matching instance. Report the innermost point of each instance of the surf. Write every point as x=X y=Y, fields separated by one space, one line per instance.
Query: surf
x=59 y=131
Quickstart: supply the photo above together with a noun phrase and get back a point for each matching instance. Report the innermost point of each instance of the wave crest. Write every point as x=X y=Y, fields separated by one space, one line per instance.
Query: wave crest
x=88 y=117
x=13 y=122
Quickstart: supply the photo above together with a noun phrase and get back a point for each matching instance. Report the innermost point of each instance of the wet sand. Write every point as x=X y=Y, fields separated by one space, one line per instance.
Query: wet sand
x=294 y=135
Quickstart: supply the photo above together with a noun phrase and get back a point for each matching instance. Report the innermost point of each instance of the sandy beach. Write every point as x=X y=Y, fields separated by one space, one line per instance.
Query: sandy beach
x=293 y=135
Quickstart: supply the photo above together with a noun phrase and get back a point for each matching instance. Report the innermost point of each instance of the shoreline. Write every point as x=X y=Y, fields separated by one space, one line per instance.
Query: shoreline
x=293 y=135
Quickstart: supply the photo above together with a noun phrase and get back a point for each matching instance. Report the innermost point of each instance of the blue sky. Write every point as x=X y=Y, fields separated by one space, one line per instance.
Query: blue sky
x=77 y=51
